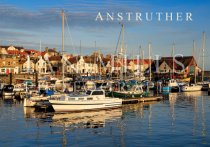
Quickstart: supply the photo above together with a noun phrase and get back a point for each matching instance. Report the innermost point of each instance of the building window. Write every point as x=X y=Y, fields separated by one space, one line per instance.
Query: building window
x=3 y=70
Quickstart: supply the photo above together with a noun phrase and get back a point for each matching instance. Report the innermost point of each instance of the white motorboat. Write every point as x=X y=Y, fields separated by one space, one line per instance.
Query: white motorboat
x=91 y=100
x=191 y=87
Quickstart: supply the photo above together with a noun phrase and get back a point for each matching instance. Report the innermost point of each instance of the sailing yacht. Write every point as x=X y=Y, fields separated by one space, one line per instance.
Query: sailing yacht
x=195 y=87
x=191 y=87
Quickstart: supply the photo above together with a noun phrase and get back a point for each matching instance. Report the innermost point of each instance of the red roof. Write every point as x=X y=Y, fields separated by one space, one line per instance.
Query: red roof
x=31 y=50
x=16 y=52
x=185 y=60
x=73 y=60
x=42 y=53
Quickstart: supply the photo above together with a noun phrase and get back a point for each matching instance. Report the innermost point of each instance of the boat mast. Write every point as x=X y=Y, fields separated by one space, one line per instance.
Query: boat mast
x=122 y=48
x=143 y=61
x=40 y=47
x=40 y=56
x=95 y=58
x=194 y=64
x=80 y=47
x=203 y=49
x=149 y=62
x=173 y=59
x=125 y=62
x=63 y=17
x=122 y=51
x=99 y=57
x=139 y=62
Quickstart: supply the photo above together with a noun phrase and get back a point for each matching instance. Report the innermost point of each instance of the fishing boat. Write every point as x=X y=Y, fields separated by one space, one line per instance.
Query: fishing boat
x=174 y=86
x=135 y=92
x=171 y=86
x=91 y=100
x=191 y=87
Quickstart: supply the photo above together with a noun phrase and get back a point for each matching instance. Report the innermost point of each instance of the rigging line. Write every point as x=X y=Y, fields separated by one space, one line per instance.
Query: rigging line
x=70 y=34
x=118 y=42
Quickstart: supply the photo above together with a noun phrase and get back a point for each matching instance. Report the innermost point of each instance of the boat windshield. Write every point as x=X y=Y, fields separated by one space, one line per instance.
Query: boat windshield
x=88 y=92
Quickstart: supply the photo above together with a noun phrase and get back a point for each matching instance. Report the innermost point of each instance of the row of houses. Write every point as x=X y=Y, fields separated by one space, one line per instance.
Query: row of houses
x=19 y=60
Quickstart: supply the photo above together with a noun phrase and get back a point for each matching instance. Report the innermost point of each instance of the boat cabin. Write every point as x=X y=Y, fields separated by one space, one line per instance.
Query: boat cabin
x=95 y=92
x=89 y=95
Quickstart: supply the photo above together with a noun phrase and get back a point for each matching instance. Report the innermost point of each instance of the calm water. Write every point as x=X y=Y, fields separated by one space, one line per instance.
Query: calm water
x=182 y=120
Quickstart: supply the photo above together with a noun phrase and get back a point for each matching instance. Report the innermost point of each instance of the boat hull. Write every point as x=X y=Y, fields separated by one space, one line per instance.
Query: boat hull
x=167 y=89
x=75 y=106
x=8 y=95
x=193 y=88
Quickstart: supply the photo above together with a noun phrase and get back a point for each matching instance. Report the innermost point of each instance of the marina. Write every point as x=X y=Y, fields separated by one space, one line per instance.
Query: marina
x=104 y=73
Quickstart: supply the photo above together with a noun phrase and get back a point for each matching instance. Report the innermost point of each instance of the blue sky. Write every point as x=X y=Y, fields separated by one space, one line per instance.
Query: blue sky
x=26 y=22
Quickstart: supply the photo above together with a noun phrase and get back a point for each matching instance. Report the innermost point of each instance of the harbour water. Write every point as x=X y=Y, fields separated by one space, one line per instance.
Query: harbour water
x=181 y=120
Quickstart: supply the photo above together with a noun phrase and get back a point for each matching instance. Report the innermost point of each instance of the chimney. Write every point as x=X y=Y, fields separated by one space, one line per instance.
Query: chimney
x=46 y=49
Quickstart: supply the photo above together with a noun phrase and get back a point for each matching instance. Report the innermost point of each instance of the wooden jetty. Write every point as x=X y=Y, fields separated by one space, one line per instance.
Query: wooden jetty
x=142 y=99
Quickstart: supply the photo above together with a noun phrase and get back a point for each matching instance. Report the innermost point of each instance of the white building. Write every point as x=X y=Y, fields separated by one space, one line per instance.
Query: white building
x=81 y=66
x=41 y=66
x=28 y=66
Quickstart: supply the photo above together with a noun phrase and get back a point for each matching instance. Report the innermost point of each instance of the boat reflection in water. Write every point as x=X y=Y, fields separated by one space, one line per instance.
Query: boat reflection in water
x=193 y=94
x=91 y=119
x=87 y=119
x=183 y=118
